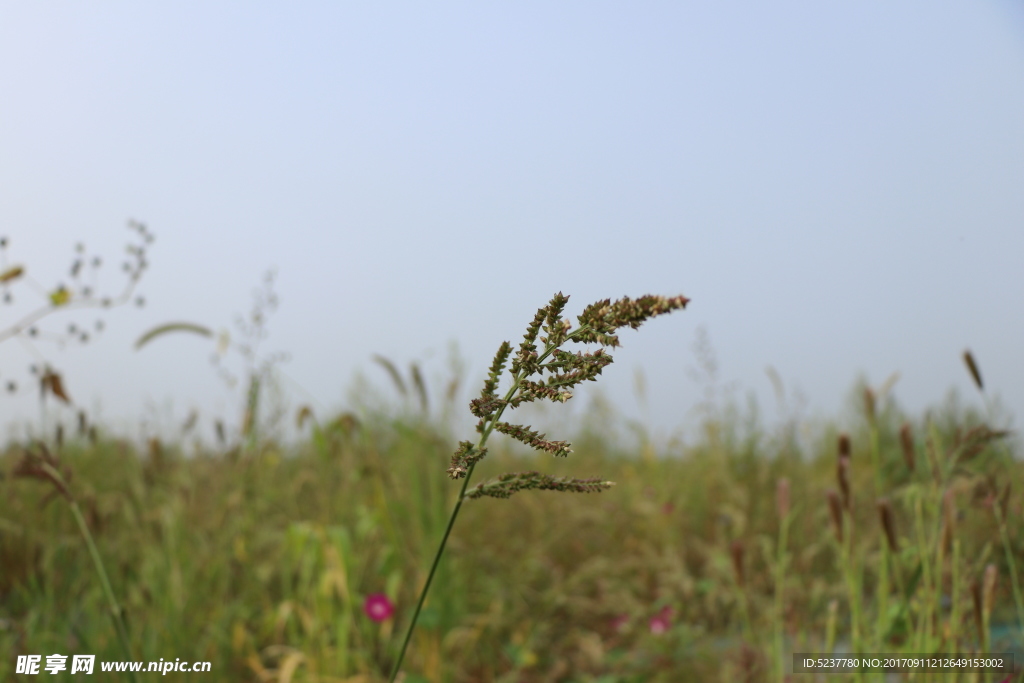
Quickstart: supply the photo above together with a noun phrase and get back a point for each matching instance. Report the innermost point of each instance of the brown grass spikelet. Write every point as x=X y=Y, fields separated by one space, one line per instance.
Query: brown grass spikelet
x=345 y=424
x=971 y=444
x=907 y=445
x=604 y=317
x=396 y=376
x=511 y=482
x=304 y=413
x=948 y=519
x=782 y=501
x=464 y=458
x=534 y=439
x=843 y=478
x=485 y=406
x=44 y=466
x=972 y=367
x=870 y=404
x=556 y=328
x=885 y=513
x=498 y=367
x=844 y=447
x=51 y=382
x=736 y=553
x=420 y=386
x=835 y=509
x=526 y=357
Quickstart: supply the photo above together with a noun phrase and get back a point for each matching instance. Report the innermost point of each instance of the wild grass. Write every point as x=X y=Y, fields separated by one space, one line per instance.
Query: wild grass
x=261 y=561
x=713 y=559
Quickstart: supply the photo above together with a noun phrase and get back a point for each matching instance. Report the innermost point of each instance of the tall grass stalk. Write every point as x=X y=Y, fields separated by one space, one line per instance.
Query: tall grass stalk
x=43 y=466
x=1010 y=562
x=975 y=372
x=781 y=565
x=597 y=324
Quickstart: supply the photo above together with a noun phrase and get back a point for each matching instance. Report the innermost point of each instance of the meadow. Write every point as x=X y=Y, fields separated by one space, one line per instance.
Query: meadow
x=712 y=557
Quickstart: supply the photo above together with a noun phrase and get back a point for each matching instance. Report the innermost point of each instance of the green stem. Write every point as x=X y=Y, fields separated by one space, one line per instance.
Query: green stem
x=517 y=380
x=430 y=578
x=1011 y=562
x=923 y=633
x=115 y=609
x=780 y=579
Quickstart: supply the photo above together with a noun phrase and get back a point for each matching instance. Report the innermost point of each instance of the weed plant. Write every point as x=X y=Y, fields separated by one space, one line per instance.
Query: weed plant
x=597 y=324
x=711 y=559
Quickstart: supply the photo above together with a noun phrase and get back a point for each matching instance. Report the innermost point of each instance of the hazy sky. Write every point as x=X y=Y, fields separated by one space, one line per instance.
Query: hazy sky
x=839 y=187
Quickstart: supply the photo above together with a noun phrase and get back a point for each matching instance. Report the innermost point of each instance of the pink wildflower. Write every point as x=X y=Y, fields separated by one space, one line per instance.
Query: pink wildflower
x=378 y=607
x=661 y=621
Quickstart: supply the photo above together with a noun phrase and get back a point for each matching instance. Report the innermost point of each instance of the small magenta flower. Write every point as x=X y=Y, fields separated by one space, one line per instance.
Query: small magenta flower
x=661 y=621
x=378 y=607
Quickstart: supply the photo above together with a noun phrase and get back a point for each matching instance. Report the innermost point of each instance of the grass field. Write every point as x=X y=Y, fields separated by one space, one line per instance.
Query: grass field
x=712 y=559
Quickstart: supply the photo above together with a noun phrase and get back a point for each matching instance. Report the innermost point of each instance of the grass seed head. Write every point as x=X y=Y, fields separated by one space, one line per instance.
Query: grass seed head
x=393 y=373
x=507 y=484
x=869 y=404
x=782 y=498
x=843 y=478
x=844 y=445
x=888 y=524
x=44 y=466
x=972 y=367
x=420 y=386
x=907 y=445
x=948 y=519
x=736 y=552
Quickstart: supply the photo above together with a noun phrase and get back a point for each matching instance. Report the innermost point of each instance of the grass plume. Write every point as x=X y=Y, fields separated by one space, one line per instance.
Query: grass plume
x=596 y=325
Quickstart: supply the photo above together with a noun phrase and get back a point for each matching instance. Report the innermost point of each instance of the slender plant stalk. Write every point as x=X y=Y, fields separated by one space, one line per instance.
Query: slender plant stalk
x=830 y=627
x=780 y=579
x=1012 y=563
x=597 y=324
x=115 y=608
x=451 y=521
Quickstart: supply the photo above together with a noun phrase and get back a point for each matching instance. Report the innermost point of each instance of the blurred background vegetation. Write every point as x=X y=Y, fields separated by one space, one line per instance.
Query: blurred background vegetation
x=259 y=555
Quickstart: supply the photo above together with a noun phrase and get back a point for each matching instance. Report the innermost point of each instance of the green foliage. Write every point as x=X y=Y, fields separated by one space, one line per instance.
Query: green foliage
x=709 y=560
x=262 y=563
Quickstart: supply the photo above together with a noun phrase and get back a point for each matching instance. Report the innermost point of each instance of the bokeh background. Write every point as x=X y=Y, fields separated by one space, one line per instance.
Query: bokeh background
x=837 y=187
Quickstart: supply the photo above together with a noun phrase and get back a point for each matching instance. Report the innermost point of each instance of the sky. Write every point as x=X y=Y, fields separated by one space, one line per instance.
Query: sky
x=837 y=187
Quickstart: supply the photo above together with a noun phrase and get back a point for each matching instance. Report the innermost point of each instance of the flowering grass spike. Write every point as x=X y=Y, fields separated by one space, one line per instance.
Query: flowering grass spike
x=564 y=370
